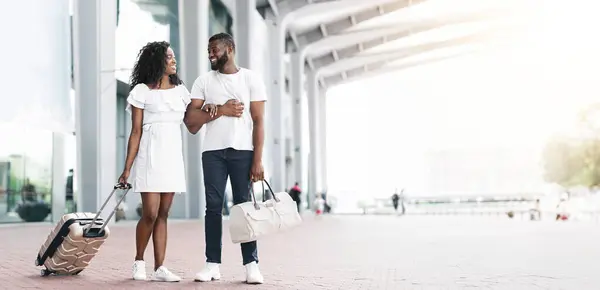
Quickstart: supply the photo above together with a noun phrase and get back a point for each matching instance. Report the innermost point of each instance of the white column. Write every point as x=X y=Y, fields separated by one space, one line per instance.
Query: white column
x=95 y=91
x=323 y=138
x=313 y=121
x=297 y=86
x=275 y=140
x=244 y=30
x=193 y=62
x=59 y=176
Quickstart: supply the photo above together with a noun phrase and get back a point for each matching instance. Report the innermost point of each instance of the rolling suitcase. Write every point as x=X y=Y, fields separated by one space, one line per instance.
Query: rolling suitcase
x=76 y=239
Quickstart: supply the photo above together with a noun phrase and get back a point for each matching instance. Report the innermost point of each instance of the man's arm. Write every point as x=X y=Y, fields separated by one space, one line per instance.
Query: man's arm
x=258 y=97
x=257 y=111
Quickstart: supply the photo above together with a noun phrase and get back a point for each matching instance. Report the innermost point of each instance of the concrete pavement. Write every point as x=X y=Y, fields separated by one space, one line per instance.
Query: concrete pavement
x=343 y=252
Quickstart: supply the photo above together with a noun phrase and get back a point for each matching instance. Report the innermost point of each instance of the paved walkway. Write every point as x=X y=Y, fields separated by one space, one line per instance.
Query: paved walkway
x=344 y=252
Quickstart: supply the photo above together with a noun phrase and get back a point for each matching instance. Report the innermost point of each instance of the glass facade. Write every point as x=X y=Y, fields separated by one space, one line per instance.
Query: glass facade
x=26 y=172
x=26 y=150
x=33 y=106
x=25 y=169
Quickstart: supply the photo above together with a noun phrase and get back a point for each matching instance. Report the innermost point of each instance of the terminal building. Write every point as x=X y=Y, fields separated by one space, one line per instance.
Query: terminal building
x=63 y=123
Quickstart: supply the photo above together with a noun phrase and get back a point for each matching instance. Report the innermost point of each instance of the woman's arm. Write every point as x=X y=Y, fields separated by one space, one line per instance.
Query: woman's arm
x=196 y=116
x=137 y=116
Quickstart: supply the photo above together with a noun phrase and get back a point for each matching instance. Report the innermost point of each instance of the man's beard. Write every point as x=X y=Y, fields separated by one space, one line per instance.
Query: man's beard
x=220 y=63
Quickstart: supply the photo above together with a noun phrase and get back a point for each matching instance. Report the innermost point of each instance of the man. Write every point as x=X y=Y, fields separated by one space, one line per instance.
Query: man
x=70 y=203
x=395 y=199
x=232 y=147
x=402 y=199
x=295 y=194
x=28 y=192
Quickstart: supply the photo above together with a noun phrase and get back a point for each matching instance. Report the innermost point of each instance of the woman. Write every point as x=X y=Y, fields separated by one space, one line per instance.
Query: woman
x=157 y=103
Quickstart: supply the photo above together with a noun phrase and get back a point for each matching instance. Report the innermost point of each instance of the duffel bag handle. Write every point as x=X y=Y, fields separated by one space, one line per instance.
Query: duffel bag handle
x=253 y=196
x=270 y=189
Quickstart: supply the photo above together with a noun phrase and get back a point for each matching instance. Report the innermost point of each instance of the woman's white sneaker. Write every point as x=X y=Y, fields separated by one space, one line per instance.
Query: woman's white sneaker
x=163 y=274
x=139 y=270
x=209 y=273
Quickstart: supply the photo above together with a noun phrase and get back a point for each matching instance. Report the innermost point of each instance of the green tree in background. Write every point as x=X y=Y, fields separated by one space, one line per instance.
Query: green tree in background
x=590 y=147
x=576 y=160
x=561 y=161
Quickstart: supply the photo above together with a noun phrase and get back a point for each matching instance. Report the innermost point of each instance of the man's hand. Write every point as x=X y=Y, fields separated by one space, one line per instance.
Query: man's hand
x=257 y=172
x=233 y=108
x=211 y=109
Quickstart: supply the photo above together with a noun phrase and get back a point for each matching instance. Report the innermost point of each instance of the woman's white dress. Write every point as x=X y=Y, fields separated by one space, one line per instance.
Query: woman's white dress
x=158 y=166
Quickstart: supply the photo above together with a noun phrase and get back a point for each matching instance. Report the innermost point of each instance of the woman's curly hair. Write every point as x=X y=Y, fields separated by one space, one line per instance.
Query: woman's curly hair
x=151 y=65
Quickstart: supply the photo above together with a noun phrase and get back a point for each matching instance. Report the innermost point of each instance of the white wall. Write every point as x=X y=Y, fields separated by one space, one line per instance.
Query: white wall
x=36 y=59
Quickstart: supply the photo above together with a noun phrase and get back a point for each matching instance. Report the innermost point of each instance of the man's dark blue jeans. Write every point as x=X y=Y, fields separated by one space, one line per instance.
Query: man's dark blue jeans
x=217 y=165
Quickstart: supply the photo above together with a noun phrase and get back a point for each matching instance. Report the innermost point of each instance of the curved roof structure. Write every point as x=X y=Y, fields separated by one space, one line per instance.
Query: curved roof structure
x=343 y=40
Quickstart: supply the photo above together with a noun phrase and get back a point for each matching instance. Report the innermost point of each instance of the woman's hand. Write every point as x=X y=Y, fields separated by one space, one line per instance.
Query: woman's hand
x=124 y=177
x=211 y=109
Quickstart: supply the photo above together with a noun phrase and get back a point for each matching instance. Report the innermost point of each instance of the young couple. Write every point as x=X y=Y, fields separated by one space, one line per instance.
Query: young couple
x=230 y=101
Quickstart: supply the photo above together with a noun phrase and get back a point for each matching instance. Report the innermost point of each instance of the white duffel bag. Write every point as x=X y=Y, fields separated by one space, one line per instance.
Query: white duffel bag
x=252 y=220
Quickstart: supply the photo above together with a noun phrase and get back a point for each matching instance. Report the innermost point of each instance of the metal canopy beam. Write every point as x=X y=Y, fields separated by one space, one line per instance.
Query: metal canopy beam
x=355 y=49
x=339 y=26
x=281 y=8
x=371 y=71
x=376 y=60
x=273 y=7
x=287 y=6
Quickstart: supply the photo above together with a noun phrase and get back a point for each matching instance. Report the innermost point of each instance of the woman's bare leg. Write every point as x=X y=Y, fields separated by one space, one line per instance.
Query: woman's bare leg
x=150 y=206
x=159 y=236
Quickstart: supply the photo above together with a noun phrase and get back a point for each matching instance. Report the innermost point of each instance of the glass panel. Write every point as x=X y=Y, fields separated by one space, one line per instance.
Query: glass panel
x=139 y=23
x=219 y=18
x=25 y=173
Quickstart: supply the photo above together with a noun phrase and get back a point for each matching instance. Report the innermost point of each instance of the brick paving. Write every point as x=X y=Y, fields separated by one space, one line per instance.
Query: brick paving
x=343 y=252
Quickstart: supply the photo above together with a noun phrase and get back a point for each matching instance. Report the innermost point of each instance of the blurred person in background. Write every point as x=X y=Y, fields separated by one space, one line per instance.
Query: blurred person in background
x=295 y=193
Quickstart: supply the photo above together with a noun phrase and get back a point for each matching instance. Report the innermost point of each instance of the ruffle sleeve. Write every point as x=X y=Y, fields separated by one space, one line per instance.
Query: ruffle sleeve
x=137 y=97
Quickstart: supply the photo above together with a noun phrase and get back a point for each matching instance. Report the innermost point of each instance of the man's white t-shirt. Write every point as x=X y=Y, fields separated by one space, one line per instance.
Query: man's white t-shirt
x=217 y=88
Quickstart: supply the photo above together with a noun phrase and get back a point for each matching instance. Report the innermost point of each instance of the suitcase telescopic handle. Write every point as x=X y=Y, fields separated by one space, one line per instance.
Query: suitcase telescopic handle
x=123 y=186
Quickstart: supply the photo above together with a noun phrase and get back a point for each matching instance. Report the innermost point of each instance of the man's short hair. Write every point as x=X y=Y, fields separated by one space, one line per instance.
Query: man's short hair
x=225 y=37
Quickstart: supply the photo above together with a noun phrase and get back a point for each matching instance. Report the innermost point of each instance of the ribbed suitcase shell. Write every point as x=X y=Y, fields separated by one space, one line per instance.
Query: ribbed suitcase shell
x=67 y=251
x=75 y=241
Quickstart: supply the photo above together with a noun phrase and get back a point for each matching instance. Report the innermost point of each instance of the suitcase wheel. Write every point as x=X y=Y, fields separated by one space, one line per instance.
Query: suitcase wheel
x=45 y=273
x=36 y=262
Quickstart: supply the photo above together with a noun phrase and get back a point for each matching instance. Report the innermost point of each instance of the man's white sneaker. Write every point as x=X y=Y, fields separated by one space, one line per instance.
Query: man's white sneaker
x=139 y=270
x=253 y=275
x=163 y=274
x=209 y=273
